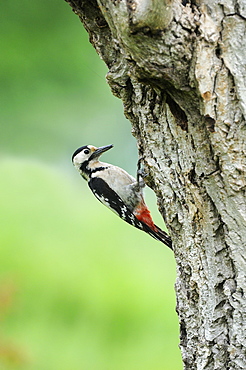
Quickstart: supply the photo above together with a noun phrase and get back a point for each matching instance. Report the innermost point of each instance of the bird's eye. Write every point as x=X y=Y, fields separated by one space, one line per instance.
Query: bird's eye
x=86 y=151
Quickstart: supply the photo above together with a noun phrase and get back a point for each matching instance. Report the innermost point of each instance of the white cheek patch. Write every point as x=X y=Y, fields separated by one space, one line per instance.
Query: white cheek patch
x=79 y=158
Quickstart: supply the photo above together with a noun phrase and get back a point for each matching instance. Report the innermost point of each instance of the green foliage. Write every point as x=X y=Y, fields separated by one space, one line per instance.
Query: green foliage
x=53 y=92
x=82 y=295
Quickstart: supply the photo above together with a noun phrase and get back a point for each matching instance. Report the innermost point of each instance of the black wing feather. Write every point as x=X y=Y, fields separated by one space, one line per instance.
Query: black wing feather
x=111 y=199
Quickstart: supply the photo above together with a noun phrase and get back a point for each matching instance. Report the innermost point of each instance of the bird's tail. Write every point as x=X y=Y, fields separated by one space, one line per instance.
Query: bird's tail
x=159 y=234
x=163 y=237
x=143 y=215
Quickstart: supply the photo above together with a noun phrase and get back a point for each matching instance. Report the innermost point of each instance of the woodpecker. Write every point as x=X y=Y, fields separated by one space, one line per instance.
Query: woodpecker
x=117 y=190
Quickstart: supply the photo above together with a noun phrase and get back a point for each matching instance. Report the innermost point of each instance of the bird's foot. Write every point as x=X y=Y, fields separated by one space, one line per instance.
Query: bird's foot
x=141 y=174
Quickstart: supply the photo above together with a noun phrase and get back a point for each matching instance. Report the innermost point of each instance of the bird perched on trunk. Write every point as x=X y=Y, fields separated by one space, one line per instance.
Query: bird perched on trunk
x=117 y=190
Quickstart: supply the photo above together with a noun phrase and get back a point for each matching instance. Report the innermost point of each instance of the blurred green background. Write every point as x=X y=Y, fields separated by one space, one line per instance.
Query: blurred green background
x=79 y=288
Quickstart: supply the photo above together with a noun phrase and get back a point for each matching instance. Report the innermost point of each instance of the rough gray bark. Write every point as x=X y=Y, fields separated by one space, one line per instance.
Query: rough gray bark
x=179 y=68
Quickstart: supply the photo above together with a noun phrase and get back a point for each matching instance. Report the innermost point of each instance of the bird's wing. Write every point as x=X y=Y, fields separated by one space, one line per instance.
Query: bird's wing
x=111 y=199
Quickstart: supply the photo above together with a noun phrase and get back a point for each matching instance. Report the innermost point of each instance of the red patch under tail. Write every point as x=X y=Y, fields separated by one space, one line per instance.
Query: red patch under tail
x=143 y=214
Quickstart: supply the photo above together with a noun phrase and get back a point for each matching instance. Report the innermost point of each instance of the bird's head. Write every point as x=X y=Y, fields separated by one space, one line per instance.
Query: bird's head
x=84 y=157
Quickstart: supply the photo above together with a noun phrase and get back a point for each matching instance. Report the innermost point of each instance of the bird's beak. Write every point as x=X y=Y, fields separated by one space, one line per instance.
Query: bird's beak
x=100 y=150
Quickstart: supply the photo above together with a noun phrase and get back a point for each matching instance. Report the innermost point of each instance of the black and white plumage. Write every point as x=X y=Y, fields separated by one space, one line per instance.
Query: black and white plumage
x=117 y=190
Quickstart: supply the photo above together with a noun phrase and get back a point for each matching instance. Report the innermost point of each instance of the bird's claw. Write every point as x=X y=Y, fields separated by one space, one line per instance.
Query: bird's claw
x=141 y=174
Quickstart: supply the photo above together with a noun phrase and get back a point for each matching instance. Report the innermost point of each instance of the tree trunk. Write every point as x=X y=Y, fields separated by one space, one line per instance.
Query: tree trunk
x=179 y=68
